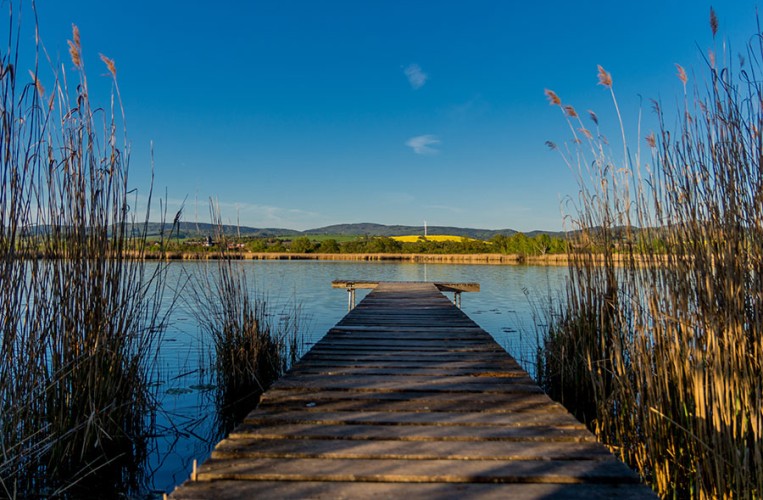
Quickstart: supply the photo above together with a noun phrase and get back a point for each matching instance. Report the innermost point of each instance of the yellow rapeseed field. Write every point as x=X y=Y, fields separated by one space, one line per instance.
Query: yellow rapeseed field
x=432 y=237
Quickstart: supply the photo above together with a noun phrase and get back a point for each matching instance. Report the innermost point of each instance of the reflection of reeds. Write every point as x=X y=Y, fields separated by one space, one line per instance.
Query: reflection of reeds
x=77 y=329
x=251 y=349
x=665 y=361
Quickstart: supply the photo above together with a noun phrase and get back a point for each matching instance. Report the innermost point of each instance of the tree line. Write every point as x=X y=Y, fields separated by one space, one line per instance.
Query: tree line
x=518 y=243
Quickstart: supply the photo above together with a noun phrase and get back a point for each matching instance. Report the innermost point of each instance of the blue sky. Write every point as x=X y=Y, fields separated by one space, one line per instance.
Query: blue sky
x=300 y=114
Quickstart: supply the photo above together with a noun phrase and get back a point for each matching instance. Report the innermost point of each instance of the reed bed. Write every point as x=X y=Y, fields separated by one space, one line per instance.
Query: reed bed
x=78 y=329
x=664 y=361
x=252 y=346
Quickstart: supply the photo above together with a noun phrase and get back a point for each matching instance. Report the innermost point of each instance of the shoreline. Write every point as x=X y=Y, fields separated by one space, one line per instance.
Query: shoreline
x=494 y=259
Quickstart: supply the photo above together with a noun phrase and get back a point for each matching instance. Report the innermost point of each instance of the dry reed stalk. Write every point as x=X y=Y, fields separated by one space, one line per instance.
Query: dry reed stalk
x=78 y=329
x=665 y=361
x=250 y=350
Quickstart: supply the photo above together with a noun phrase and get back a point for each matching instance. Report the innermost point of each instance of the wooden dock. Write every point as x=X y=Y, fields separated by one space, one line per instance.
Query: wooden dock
x=407 y=397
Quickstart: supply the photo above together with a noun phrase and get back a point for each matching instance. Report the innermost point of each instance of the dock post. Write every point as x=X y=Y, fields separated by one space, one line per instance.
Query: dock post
x=444 y=286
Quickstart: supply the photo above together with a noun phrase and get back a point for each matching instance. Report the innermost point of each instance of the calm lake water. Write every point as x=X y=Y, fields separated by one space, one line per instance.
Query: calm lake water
x=186 y=425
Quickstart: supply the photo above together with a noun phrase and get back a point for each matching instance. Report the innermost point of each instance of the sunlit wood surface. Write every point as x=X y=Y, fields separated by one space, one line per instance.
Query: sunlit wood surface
x=407 y=397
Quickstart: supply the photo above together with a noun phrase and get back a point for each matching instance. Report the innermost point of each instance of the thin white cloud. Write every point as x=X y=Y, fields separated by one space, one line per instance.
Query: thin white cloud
x=421 y=144
x=416 y=77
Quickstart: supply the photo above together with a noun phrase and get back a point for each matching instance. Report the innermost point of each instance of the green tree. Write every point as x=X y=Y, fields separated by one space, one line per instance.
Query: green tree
x=500 y=243
x=355 y=246
x=474 y=246
x=301 y=245
x=542 y=243
x=257 y=245
x=558 y=245
x=329 y=246
x=383 y=244
x=277 y=246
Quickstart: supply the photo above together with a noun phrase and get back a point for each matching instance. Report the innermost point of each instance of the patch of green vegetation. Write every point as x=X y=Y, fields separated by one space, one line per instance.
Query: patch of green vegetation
x=518 y=243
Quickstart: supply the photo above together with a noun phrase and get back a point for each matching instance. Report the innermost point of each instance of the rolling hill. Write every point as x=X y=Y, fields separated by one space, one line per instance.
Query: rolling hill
x=200 y=230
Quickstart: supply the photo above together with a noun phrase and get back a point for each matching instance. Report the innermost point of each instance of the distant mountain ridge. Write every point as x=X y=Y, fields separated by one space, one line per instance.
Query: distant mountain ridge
x=193 y=229
x=202 y=229
x=371 y=229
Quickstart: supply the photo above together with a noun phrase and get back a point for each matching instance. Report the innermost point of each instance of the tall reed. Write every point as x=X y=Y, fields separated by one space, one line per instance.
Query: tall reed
x=79 y=319
x=251 y=350
x=660 y=348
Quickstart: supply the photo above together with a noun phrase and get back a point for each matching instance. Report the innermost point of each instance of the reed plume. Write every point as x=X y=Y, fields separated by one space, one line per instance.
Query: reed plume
x=250 y=350
x=658 y=344
x=605 y=78
x=553 y=99
x=79 y=311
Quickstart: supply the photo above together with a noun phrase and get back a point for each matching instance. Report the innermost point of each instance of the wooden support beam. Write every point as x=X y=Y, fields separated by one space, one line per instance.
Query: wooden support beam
x=443 y=286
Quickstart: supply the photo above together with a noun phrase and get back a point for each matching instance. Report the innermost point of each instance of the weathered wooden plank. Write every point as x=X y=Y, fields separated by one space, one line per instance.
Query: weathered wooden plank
x=382 y=382
x=403 y=338
x=391 y=324
x=397 y=371
x=397 y=340
x=412 y=383
x=403 y=342
x=444 y=355
x=394 y=406
x=420 y=402
x=465 y=366
x=432 y=320
x=414 y=432
x=279 y=490
x=469 y=366
x=404 y=351
x=445 y=330
x=393 y=337
x=406 y=346
x=444 y=286
x=321 y=416
x=476 y=360
x=419 y=471
x=410 y=450
x=424 y=357
x=428 y=333
x=428 y=310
